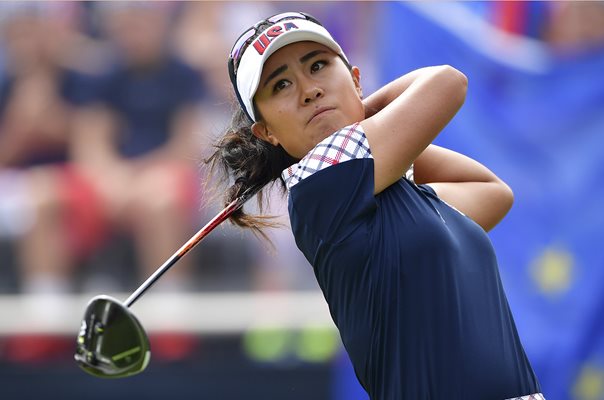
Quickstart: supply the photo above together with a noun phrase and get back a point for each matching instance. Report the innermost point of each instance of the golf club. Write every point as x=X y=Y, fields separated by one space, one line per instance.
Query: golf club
x=112 y=343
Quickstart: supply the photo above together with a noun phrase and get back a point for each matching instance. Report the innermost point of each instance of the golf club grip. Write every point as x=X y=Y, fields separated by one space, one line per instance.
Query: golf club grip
x=203 y=232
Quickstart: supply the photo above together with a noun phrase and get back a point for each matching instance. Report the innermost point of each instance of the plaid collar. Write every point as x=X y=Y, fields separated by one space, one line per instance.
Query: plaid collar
x=348 y=143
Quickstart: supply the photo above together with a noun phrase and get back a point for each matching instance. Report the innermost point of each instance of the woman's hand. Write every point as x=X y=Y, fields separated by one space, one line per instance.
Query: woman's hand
x=465 y=184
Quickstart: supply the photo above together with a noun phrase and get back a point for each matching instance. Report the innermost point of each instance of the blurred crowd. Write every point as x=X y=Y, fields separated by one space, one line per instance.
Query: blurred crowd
x=106 y=112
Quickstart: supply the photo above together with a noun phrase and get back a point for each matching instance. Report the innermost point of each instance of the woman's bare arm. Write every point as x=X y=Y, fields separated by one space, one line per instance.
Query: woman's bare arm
x=414 y=109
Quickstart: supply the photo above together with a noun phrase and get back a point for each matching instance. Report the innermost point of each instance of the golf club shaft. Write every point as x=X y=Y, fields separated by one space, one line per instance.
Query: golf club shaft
x=203 y=232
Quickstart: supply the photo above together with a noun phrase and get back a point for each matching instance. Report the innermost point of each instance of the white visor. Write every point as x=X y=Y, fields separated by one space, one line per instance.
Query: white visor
x=270 y=40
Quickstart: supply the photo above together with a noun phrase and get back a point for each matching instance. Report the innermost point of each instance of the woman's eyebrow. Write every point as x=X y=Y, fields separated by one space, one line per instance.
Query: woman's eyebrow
x=273 y=74
x=310 y=55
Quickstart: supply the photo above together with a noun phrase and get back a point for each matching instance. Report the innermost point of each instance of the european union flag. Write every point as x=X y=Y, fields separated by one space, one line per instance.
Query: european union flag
x=537 y=120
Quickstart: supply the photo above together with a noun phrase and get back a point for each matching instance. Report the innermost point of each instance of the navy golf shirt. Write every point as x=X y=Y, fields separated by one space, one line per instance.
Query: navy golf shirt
x=412 y=284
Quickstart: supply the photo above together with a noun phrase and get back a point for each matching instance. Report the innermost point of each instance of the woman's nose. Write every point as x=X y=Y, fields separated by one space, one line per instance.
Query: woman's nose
x=312 y=93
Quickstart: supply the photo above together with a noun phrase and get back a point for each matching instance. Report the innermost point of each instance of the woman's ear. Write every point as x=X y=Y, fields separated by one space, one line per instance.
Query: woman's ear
x=260 y=130
x=356 y=77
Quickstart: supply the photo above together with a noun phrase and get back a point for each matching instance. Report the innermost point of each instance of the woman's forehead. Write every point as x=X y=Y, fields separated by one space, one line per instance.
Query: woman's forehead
x=293 y=52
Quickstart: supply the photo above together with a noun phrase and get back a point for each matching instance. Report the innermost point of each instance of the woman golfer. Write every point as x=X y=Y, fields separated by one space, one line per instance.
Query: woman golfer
x=394 y=227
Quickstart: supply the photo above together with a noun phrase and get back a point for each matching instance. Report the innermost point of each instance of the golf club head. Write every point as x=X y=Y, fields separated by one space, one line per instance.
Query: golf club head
x=111 y=343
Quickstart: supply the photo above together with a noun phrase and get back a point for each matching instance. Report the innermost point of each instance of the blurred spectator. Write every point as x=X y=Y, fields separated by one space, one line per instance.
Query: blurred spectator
x=576 y=26
x=34 y=118
x=201 y=42
x=205 y=32
x=135 y=142
x=129 y=132
x=569 y=28
x=36 y=88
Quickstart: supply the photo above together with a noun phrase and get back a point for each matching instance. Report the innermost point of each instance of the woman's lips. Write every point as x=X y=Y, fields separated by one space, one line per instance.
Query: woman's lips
x=319 y=111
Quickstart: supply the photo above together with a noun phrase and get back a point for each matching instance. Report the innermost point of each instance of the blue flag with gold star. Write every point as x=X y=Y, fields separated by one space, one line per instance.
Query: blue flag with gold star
x=536 y=119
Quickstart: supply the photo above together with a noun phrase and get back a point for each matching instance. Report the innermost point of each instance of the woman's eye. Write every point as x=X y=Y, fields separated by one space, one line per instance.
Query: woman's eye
x=317 y=65
x=280 y=85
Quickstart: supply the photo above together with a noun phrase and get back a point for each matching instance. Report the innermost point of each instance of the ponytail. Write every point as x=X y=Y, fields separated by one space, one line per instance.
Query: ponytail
x=251 y=164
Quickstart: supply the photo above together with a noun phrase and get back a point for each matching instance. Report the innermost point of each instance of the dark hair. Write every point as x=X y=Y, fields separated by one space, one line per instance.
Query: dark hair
x=249 y=163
